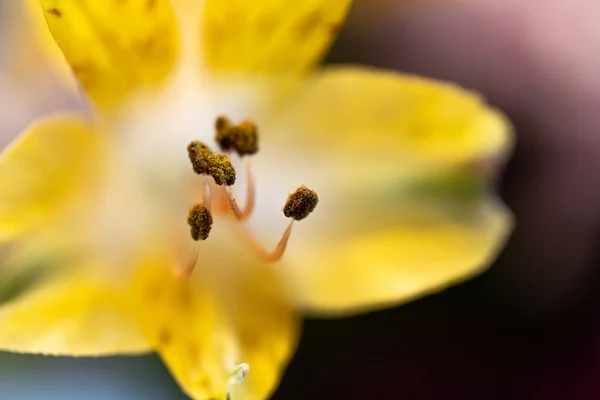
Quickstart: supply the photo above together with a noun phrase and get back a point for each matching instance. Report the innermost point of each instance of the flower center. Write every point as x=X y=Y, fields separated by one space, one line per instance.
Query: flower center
x=217 y=190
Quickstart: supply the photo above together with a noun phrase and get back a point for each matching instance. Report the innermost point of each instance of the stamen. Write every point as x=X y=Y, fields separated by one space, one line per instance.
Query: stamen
x=298 y=206
x=246 y=135
x=199 y=153
x=205 y=162
x=275 y=254
x=206 y=198
x=233 y=204
x=222 y=122
x=300 y=203
x=250 y=196
x=282 y=244
x=221 y=169
x=250 y=191
x=191 y=265
x=241 y=138
x=200 y=221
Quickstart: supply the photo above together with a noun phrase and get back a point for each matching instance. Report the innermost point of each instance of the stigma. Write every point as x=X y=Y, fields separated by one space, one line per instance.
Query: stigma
x=218 y=195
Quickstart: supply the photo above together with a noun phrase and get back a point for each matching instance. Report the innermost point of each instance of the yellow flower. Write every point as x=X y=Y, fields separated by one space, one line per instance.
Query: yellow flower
x=95 y=207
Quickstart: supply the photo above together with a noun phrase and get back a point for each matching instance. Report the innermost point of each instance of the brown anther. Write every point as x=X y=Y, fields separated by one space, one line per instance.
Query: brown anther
x=246 y=138
x=220 y=168
x=222 y=122
x=241 y=138
x=200 y=220
x=199 y=156
x=225 y=138
x=300 y=203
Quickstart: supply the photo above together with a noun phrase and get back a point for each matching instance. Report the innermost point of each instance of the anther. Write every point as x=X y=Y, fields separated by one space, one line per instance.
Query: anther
x=246 y=138
x=205 y=162
x=300 y=203
x=200 y=221
x=222 y=122
x=241 y=138
x=221 y=169
x=199 y=156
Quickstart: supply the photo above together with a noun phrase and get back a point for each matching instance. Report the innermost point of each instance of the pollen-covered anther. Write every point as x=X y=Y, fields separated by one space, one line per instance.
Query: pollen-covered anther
x=200 y=221
x=241 y=138
x=199 y=154
x=221 y=169
x=222 y=122
x=300 y=203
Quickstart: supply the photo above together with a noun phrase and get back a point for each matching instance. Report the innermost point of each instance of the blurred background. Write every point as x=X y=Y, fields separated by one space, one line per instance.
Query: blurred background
x=526 y=329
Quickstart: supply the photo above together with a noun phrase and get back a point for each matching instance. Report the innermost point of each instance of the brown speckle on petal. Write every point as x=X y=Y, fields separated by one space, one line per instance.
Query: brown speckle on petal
x=310 y=23
x=85 y=74
x=54 y=11
x=164 y=337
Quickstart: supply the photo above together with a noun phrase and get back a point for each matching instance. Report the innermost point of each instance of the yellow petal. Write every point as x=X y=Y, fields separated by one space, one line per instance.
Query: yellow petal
x=68 y=314
x=40 y=171
x=404 y=210
x=269 y=36
x=203 y=329
x=114 y=46
x=417 y=251
x=393 y=117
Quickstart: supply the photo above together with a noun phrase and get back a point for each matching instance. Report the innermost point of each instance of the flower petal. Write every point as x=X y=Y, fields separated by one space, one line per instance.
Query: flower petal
x=40 y=171
x=203 y=330
x=68 y=314
x=396 y=116
x=114 y=46
x=419 y=250
x=405 y=208
x=269 y=36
